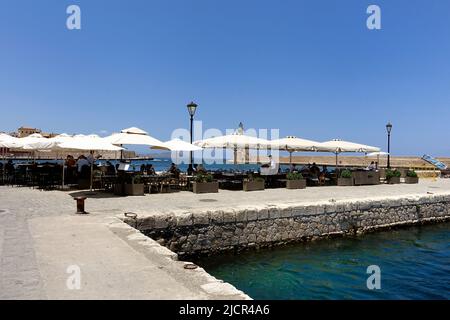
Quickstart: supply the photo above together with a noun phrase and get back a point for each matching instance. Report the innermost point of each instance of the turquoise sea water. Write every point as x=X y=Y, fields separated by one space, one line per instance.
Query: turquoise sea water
x=414 y=263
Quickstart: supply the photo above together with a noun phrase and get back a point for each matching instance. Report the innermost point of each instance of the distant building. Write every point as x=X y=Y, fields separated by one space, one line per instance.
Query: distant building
x=26 y=131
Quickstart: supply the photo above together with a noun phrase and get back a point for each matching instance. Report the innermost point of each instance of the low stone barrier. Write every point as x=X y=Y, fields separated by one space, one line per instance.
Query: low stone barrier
x=193 y=233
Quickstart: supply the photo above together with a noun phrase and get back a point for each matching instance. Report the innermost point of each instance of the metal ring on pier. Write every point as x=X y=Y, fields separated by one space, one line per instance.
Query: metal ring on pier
x=131 y=215
x=190 y=266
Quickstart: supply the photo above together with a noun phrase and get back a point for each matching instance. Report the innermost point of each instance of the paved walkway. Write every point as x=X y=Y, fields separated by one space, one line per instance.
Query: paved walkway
x=40 y=237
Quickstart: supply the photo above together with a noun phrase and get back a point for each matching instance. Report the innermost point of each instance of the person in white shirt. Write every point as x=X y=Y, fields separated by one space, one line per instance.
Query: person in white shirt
x=372 y=166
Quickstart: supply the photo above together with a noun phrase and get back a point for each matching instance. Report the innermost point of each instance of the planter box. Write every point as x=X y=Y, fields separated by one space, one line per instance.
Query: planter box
x=296 y=184
x=345 y=182
x=118 y=189
x=205 y=187
x=366 y=177
x=253 y=185
x=411 y=180
x=134 y=189
x=393 y=180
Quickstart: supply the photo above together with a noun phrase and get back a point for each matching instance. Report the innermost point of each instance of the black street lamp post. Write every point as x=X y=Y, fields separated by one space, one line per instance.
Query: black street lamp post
x=389 y=129
x=191 y=109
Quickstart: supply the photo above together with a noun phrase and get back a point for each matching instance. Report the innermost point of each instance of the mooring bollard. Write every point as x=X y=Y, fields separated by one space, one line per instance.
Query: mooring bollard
x=80 y=205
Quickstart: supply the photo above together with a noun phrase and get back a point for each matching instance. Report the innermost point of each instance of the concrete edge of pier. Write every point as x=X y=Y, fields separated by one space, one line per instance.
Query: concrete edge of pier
x=212 y=287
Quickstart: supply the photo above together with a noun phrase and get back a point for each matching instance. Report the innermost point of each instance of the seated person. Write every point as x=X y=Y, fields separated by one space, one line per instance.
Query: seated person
x=9 y=167
x=314 y=170
x=371 y=166
x=110 y=168
x=70 y=161
x=174 y=170
x=143 y=168
x=151 y=170
x=200 y=169
x=293 y=168
x=81 y=162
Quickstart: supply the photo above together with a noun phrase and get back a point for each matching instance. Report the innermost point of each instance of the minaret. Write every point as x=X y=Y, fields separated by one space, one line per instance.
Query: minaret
x=242 y=156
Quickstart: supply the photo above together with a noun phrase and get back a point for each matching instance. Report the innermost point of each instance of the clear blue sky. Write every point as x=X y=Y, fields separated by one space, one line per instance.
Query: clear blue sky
x=310 y=68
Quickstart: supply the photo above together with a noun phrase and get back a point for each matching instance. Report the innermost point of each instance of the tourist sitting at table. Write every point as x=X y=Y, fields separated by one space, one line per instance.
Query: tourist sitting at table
x=293 y=168
x=174 y=170
x=371 y=166
x=110 y=168
x=314 y=170
x=143 y=169
x=150 y=170
x=9 y=167
x=81 y=162
x=70 y=161
x=200 y=169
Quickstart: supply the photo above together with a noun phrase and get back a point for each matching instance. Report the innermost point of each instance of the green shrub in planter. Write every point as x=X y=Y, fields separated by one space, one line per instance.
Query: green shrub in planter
x=411 y=173
x=346 y=174
x=393 y=176
x=253 y=183
x=294 y=176
x=295 y=181
x=411 y=177
x=203 y=183
x=203 y=177
x=346 y=178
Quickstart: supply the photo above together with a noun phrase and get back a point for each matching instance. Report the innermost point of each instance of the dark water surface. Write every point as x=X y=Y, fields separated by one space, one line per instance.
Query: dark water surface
x=414 y=263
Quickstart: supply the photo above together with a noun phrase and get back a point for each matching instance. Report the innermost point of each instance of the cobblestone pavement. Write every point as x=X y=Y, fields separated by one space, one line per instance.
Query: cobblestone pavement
x=27 y=216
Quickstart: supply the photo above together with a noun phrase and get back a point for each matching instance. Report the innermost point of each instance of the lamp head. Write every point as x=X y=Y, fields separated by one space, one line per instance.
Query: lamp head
x=191 y=108
x=389 y=127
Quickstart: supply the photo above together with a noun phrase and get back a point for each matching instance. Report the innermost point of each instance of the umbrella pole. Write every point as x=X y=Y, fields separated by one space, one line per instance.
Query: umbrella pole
x=92 y=174
x=63 y=165
x=337 y=163
x=235 y=155
x=290 y=158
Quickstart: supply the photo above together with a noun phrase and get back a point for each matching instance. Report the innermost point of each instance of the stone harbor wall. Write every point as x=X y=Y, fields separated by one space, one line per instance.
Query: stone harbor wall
x=213 y=231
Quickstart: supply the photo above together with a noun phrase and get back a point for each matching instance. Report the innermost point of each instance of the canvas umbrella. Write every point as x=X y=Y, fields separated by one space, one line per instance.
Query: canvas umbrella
x=89 y=143
x=234 y=141
x=177 y=145
x=32 y=138
x=49 y=145
x=7 y=142
x=133 y=136
x=293 y=144
x=338 y=146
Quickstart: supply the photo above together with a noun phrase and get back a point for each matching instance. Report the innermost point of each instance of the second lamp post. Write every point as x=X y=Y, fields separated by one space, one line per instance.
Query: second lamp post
x=191 y=109
x=389 y=129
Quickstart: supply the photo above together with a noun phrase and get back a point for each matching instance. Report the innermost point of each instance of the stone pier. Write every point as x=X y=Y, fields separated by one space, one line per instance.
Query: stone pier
x=213 y=231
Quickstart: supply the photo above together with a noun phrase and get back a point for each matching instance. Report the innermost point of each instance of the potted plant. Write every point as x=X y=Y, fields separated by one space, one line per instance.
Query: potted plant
x=252 y=183
x=346 y=178
x=295 y=181
x=411 y=177
x=134 y=187
x=393 y=176
x=203 y=183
